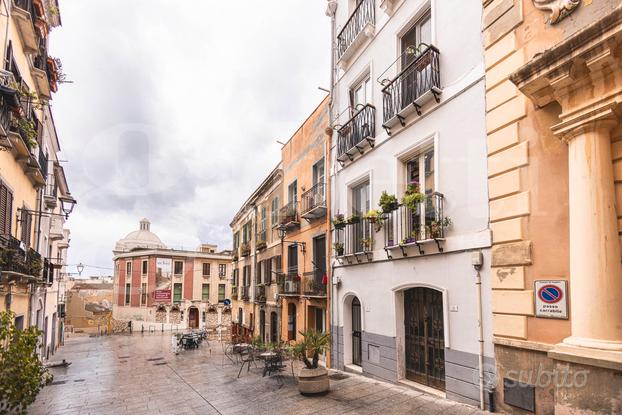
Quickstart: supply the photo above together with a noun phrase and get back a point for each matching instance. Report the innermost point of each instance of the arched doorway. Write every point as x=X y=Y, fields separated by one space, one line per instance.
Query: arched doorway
x=424 y=336
x=193 y=318
x=274 y=328
x=357 y=344
x=291 y=321
x=262 y=325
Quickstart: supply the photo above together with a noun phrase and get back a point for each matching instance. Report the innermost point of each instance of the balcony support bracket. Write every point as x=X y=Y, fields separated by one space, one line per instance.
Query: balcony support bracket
x=403 y=248
x=420 y=247
x=438 y=244
x=417 y=108
x=387 y=129
x=389 y=256
x=402 y=119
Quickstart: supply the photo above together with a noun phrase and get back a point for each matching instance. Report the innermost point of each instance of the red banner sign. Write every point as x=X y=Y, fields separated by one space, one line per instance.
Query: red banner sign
x=162 y=295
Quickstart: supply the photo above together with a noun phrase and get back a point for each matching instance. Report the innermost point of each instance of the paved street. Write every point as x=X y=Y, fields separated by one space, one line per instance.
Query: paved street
x=139 y=375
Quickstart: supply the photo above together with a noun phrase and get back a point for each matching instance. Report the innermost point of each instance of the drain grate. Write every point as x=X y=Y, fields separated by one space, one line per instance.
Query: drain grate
x=79 y=380
x=155 y=359
x=58 y=382
x=160 y=364
x=338 y=376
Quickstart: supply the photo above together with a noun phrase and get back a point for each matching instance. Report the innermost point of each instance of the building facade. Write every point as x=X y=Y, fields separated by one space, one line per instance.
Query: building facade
x=34 y=195
x=553 y=88
x=410 y=295
x=158 y=288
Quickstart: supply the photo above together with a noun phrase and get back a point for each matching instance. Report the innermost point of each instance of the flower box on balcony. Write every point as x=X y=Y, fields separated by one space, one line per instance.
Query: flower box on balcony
x=261 y=245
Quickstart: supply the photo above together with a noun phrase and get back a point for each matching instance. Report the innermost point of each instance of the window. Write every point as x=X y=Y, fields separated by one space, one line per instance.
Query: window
x=26 y=223
x=292 y=192
x=320 y=319
x=278 y=264
x=19 y=323
x=414 y=79
x=421 y=32
x=177 y=293
x=205 y=292
x=291 y=321
x=6 y=209
x=360 y=206
x=145 y=266
x=264 y=219
x=360 y=94
x=268 y=275
x=360 y=199
x=292 y=260
x=236 y=240
x=221 y=292
x=236 y=277
x=128 y=289
x=240 y=315
x=128 y=268
x=247 y=276
x=247 y=232
x=318 y=172
x=179 y=268
x=258 y=270
x=420 y=173
x=275 y=212
x=143 y=294
x=206 y=269
x=222 y=270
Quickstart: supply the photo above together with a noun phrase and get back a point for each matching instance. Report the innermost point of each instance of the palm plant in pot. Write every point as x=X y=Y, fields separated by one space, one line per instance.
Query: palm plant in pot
x=312 y=378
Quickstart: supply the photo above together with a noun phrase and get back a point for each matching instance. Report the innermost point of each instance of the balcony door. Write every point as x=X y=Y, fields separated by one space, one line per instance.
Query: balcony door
x=292 y=192
x=420 y=171
x=421 y=32
x=360 y=206
x=318 y=183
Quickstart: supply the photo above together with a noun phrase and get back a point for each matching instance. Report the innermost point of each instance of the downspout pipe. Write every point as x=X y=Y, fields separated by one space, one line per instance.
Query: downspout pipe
x=480 y=334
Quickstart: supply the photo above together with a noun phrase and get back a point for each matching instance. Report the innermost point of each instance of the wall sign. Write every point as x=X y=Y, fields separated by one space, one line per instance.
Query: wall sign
x=551 y=299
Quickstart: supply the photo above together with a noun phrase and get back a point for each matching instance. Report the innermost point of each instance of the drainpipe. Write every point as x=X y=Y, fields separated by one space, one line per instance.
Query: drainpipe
x=254 y=277
x=477 y=261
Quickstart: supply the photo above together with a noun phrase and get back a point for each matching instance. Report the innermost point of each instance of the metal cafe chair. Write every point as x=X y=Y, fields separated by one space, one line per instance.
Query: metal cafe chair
x=247 y=356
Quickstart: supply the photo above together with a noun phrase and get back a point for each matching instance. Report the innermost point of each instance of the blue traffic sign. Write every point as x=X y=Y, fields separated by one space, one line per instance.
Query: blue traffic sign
x=550 y=294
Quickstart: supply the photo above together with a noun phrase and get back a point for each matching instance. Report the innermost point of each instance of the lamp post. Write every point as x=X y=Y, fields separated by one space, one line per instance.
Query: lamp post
x=67 y=205
x=80 y=268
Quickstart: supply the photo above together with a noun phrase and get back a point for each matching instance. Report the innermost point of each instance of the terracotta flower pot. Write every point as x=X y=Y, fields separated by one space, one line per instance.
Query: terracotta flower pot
x=313 y=381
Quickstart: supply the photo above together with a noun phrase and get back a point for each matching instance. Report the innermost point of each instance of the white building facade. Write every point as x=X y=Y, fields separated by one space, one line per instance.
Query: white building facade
x=408 y=119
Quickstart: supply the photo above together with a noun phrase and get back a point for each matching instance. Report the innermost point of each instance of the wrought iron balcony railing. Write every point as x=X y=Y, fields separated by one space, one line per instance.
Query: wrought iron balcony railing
x=355 y=239
x=363 y=14
x=406 y=227
x=234 y=292
x=314 y=202
x=16 y=258
x=246 y=292
x=416 y=84
x=358 y=134
x=260 y=294
x=8 y=99
x=290 y=283
x=313 y=283
x=43 y=163
x=288 y=215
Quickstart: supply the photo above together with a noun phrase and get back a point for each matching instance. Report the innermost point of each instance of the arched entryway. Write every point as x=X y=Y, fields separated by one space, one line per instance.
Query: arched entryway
x=262 y=325
x=193 y=318
x=291 y=321
x=357 y=343
x=274 y=327
x=424 y=336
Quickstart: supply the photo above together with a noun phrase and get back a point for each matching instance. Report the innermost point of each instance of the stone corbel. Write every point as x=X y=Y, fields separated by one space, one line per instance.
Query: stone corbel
x=388 y=6
x=559 y=8
x=331 y=8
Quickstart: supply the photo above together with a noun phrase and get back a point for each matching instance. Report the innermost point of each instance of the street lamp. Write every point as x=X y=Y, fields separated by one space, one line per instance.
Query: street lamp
x=282 y=231
x=80 y=268
x=67 y=205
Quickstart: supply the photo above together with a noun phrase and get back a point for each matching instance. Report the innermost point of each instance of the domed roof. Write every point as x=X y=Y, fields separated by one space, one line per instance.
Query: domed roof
x=143 y=238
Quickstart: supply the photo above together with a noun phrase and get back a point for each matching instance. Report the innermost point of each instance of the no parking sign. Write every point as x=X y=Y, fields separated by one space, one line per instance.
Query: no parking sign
x=551 y=299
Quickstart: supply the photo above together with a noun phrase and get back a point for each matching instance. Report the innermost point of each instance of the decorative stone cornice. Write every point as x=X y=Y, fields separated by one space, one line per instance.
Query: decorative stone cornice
x=602 y=118
x=331 y=8
x=559 y=8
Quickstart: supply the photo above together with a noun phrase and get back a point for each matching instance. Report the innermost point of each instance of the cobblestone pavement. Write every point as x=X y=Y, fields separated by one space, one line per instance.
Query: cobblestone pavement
x=139 y=375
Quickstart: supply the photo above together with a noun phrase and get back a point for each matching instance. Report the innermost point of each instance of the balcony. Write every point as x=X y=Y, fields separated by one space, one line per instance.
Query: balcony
x=314 y=202
x=234 y=292
x=413 y=87
x=16 y=260
x=359 y=27
x=357 y=135
x=290 y=283
x=25 y=18
x=50 y=195
x=246 y=292
x=405 y=228
x=40 y=70
x=355 y=242
x=260 y=240
x=56 y=228
x=245 y=249
x=313 y=284
x=289 y=215
x=8 y=102
x=260 y=294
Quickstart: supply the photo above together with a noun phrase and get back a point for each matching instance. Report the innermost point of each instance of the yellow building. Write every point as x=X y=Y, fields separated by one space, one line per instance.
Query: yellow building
x=554 y=87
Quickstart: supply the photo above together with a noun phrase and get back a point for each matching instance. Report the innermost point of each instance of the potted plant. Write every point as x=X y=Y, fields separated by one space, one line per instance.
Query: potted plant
x=375 y=216
x=367 y=244
x=413 y=197
x=261 y=245
x=339 y=249
x=436 y=227
x=354 y=218
x=388 y=203
x=339 y=221
x=312 y=378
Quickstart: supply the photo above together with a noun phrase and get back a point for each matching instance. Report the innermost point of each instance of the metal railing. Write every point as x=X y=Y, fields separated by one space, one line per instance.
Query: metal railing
x=288 y=214
x=313 y=283
x=246 y=292
x=363 y=14
x=16 y=259
x=260 y=294
x=43 y=163
x=290 y=283
x=234 y=292
x=405 y=226
x=51 y=188
x=314 y=197
x=7 y=87
x=40 y=61
x=360 y=127
x=356 y=238
x=420 y=76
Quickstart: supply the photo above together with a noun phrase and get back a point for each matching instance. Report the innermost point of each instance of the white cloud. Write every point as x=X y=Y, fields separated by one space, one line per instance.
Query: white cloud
x=175 y=109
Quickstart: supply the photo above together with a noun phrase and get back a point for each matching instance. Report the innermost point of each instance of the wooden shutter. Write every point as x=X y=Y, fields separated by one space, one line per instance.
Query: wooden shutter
x=6 y=209
x=26 y=223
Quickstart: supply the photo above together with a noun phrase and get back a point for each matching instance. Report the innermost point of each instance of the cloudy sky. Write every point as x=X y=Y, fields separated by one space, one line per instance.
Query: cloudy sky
x=175 y=109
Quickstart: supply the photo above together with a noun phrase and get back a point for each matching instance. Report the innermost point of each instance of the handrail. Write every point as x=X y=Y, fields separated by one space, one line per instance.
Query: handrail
x=365 y=11
x=361 y=126
x=417 y=59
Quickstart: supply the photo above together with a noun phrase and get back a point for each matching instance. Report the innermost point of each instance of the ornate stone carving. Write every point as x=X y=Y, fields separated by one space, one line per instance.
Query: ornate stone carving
x=559 y=8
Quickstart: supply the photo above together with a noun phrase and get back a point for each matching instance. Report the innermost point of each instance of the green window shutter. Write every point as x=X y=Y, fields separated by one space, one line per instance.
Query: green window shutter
x=205 y=292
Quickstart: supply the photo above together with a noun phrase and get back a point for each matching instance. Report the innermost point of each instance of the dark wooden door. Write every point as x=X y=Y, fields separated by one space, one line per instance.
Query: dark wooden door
x=356 y=332
x=193 y=318
x=425 y=337
x=262 y=325
x=274 y=328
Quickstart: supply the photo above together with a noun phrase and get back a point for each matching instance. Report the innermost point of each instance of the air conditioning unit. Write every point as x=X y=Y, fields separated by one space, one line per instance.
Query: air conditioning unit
x=289 y=286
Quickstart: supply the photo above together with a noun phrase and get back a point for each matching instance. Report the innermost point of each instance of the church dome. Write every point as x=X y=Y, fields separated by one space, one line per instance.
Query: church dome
x=143 y=238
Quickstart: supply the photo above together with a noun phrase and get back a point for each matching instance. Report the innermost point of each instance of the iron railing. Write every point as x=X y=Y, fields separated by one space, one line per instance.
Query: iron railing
x=260 y=294
x=246 y=292
x=234 y=292
x=405 y=226
x=314 y=197
x=313 y=283
x=360 y=127
x=364 y=13
x=289 y=214
x=40 y=61
x=27 y=5
x=420 y=76
x=51 y=188
x=290 y=283
x=8 y=98
x=14 y=258
x=43 y=163
x=356 y=238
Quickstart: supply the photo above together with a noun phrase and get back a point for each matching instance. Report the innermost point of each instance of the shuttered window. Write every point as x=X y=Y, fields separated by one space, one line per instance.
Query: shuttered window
x=205 y=292
x=26 y=224
x=221 y=292
x=6 y=209
x=275 y=212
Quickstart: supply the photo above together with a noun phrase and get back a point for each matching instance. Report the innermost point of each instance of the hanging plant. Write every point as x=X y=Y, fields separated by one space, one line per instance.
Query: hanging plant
x=339 y=221
x=354 y=218
x=388 y=203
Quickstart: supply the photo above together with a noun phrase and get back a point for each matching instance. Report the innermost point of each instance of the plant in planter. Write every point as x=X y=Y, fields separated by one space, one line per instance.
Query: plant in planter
x=388 y=203
x=435 y=228
x=367 y=244
x=261 y=245
x=354 y=218
x=413 y=197
x=339 y=221
x=375 y=217
x=313 y=378
x=339 y=249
